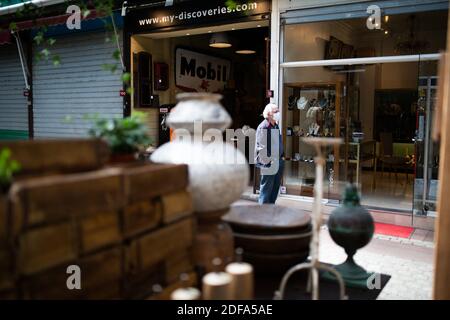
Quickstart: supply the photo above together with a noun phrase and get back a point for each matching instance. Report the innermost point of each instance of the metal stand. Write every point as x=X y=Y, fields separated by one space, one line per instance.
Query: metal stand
x=315 y=265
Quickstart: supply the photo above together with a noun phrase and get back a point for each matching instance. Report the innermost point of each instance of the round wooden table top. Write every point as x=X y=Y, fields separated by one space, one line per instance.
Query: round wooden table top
x=268 y=216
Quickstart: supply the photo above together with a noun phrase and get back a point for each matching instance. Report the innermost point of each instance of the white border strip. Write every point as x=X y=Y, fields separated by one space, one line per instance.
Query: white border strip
x=359 y=61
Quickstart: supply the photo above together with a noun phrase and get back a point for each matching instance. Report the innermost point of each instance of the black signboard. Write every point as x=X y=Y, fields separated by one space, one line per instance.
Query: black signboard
x=192 y=13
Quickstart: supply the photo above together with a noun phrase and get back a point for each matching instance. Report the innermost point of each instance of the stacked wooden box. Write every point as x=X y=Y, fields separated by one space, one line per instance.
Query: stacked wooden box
x=126 y=228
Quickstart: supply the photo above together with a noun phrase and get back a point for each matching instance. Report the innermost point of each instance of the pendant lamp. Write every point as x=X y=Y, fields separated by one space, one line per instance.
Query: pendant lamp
x=219 y=40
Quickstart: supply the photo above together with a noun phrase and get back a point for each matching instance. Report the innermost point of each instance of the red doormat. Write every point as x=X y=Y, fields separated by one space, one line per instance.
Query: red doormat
x=393 y=230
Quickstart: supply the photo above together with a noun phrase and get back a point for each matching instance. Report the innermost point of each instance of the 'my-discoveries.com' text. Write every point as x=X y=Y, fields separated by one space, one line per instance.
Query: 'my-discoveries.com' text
x=188 y=15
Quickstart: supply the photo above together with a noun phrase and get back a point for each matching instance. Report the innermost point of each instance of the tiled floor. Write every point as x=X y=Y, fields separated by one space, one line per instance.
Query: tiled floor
x=409 y=263
x=389 y=192
x=422 y=235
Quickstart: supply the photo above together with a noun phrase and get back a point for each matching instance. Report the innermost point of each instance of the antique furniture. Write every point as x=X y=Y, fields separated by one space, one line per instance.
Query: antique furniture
x=272 y=237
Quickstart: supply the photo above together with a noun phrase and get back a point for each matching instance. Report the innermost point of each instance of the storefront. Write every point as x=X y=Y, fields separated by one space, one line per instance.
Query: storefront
x=365 y=71
x=13 y=104
x=40 y=99
x=64 y=97
x=197 y=46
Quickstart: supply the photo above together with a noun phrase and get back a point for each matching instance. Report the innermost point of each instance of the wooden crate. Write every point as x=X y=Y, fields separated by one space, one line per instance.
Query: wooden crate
x=177 y=263
x=150 y=181
x=6 y=267
x=46 y=247
x=176 y=205
x=156 y=246
x=167 y=290
x=98 y=231
x=57 y=156
x=127 y=228
x=100 y=279
x=138 y=283
x=50 y=199
x=3 y=217
x=145 y=257
x=6 y=252
x=11 y=294
x=141 y=216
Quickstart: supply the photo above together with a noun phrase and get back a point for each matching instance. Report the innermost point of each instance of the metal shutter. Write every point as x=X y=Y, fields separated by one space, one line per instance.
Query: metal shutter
x=13 y=104
x=79 y=86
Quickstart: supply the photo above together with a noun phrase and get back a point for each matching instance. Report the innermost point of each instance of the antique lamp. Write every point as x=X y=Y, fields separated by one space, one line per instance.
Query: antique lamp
x=314 y=265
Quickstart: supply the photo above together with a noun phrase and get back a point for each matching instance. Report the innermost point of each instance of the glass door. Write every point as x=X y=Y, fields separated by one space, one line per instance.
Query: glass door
x=426 y=150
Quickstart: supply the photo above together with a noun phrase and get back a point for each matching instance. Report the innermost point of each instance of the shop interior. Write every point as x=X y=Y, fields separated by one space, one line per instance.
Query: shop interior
x=383 y=111
x=241 y=47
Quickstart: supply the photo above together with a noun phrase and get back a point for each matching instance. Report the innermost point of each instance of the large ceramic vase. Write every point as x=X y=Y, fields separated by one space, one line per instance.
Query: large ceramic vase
x=218 y=172
x=351 y=226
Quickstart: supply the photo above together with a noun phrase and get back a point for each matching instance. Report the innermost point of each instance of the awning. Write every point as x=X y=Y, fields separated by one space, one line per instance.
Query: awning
x=5 y=36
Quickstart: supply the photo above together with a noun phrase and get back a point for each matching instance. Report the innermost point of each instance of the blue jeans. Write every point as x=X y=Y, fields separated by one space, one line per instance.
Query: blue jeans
x=270 y=185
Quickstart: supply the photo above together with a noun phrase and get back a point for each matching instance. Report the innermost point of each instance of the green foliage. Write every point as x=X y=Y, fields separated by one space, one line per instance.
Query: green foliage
x=231 y=4
x=7 y=169
x=125 y=135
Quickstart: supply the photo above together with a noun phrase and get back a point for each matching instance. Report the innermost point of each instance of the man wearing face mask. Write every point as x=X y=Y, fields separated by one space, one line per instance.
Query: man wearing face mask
x=268 y=154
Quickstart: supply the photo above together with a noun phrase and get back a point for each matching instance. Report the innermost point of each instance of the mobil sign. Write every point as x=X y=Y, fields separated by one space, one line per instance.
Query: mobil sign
x=200 y=72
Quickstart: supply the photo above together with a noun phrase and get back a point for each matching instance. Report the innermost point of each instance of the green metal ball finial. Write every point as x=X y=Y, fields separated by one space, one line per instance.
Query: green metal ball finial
x=351 y=195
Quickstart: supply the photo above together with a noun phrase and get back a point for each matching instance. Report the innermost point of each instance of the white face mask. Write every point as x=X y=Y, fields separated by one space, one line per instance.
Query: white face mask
x=276 y=117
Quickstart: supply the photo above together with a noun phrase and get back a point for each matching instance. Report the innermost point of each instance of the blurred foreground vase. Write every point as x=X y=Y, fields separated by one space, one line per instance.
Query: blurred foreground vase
x=218 y=172
x=351 y=226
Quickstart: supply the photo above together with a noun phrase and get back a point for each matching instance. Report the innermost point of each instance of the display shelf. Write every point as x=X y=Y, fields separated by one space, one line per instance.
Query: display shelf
x=311 y=109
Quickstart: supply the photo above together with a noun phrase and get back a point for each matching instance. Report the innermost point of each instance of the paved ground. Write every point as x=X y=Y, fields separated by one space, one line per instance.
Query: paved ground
x=408 y=261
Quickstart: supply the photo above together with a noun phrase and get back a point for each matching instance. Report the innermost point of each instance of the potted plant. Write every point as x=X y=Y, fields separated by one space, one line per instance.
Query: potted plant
x=125 y=137
x=7 y=169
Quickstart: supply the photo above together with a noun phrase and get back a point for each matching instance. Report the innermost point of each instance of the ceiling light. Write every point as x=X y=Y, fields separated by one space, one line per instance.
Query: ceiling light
x=246 y=51
x=386 y=32
x=219 y=40
x=386 y=19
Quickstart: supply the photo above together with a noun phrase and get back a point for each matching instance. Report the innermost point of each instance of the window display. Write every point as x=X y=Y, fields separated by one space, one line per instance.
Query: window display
x=312 y=110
